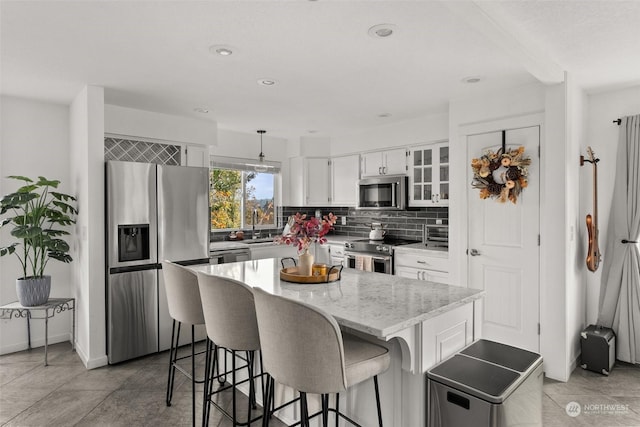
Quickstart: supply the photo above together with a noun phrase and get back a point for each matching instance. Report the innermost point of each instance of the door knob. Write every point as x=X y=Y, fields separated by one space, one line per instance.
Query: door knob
x=473 y=252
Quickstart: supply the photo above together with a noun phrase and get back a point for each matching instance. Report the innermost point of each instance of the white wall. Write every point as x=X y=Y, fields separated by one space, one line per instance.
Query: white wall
x=34 y=140
x=133 y=122
x=602 y=136
x=87 y=168
x=247 y=146
x=416 y=131
x=576 y=270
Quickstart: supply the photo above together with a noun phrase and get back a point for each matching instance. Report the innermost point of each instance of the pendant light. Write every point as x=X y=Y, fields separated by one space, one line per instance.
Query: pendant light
x=261 y=167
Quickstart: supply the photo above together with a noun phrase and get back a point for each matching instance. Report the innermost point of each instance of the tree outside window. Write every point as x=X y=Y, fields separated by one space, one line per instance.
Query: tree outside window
x=237 y=194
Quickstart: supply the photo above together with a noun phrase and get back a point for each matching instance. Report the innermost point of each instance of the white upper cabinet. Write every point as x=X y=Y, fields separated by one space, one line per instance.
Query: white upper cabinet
x=325 y=181
x=345 y=172
x=197 y=155
x=316 y=174
x=429 y=175
x=388 y=162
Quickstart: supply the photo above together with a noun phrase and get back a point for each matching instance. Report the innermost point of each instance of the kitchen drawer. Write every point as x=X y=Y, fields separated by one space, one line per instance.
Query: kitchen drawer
x=422 y=261
x=422 y=274
x=336 y=251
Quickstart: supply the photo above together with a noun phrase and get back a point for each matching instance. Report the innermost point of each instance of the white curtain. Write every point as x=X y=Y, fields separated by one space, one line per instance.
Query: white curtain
x=620 y=288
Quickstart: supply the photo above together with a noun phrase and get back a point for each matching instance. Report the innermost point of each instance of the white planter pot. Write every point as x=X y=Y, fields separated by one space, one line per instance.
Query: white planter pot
x=33 y=291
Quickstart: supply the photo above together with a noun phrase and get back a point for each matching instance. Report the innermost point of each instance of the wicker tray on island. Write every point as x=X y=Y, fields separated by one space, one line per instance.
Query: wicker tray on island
x=291 y=274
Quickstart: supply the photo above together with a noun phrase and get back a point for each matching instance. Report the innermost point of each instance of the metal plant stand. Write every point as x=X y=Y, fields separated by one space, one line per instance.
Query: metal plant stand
x=50 y=308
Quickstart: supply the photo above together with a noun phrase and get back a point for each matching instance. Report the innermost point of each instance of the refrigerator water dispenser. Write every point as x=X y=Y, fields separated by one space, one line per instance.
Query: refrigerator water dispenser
x=133 y=242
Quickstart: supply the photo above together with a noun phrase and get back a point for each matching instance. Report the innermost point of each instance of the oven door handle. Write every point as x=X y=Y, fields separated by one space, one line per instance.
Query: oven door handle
x=377 y=258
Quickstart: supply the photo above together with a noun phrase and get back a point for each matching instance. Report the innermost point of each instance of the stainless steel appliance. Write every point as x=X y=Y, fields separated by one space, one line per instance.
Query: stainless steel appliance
x=377 y=254
x=154 y=213
x=435 y=236
x=383 y=193
x=224 y=256
x=486 y=384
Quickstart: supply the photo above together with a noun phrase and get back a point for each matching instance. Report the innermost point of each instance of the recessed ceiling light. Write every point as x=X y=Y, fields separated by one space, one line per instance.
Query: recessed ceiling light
x=220 y=50
x=266 y=82
x=382 y=31
x=472 y=79
x=201 y=110
x=384 y=115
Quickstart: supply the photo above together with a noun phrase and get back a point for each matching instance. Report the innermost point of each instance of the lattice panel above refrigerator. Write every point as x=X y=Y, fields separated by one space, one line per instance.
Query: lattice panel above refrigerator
x=128 y=150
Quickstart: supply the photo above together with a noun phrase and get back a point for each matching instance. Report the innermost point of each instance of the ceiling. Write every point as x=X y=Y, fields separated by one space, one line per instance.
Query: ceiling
x=331 y=76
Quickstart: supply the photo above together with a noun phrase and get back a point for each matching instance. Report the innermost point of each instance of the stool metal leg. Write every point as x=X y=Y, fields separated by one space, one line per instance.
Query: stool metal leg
x=325 y=409
x=172 y=371
x=205 y=389
x=233 y=386
x=304 y=410
x=266 y=404
x=375 y=383
x=193 y=376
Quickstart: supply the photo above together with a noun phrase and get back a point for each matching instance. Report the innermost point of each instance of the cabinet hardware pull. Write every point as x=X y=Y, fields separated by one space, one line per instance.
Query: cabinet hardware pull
x=421 y=262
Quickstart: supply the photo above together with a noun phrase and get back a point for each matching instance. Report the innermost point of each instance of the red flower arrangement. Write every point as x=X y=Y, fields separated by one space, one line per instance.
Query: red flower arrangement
x=305 y=231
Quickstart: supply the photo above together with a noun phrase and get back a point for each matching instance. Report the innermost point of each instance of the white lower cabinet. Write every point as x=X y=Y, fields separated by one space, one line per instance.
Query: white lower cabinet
x=447 y=333
x=336 y=252
x=420 y=264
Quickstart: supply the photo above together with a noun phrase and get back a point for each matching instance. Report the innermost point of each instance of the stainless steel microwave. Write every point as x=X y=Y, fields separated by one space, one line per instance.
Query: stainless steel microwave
x=385 y=192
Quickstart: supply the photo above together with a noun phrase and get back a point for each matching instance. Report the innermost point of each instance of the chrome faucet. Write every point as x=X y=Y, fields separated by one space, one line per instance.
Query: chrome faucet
x=254 y=218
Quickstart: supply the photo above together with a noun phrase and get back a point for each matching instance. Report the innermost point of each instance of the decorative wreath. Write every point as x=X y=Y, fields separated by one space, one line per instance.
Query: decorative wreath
x=501 y=175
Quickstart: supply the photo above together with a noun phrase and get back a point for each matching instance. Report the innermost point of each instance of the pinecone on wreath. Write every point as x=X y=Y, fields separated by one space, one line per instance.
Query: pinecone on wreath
x=494 y=188
x=513 y=173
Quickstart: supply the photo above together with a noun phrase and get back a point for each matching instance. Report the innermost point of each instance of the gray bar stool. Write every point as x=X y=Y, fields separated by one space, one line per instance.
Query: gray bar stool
x=230 y=319
x=185 y=307
x=303 y=348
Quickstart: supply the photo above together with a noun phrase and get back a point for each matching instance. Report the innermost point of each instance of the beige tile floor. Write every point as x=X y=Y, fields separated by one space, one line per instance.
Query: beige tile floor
x=133 y=393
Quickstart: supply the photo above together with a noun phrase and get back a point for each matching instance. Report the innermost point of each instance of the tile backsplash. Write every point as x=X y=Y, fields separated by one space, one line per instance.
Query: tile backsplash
x=406 y=224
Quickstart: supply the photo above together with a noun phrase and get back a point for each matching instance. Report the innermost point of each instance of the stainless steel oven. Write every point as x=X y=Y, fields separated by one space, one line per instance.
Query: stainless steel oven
x=378 y=263
x=372 y=255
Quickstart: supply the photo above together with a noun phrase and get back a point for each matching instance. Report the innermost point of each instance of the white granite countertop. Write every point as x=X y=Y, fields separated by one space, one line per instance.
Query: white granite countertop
x=267 y=241
x=374 y=303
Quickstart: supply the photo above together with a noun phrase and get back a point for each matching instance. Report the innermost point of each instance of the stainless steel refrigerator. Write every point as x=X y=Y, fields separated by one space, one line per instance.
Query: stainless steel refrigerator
x=154 y=213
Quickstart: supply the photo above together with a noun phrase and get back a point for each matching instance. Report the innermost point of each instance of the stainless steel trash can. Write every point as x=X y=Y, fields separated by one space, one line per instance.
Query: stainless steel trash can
x=486 y=384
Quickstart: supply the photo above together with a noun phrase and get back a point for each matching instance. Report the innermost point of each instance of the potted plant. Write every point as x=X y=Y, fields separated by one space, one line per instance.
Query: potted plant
x=302 y=232
x=36 y=213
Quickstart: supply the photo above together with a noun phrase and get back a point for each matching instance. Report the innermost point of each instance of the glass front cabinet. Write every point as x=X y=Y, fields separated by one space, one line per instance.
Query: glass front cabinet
x=429 y=175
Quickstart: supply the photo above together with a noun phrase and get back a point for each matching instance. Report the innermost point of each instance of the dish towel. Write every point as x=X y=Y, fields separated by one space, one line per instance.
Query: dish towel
x=364 y=263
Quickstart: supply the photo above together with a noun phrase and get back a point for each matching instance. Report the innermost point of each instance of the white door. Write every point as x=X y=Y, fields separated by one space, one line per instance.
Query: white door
x=503 y=252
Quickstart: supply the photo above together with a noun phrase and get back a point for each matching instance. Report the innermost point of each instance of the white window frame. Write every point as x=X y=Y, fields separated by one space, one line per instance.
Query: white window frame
x=249 y=165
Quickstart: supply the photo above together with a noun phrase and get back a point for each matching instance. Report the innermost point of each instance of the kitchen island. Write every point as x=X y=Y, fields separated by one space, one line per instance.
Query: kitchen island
x=420 y=322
